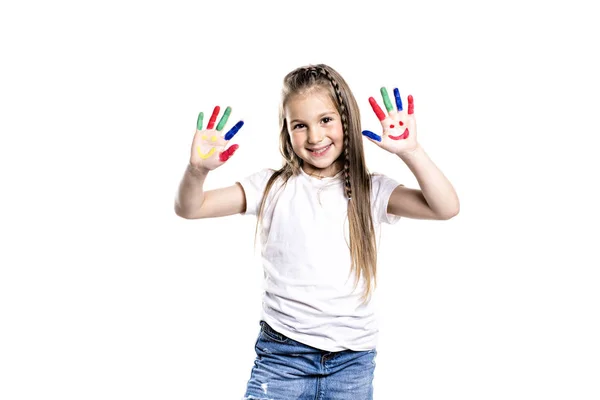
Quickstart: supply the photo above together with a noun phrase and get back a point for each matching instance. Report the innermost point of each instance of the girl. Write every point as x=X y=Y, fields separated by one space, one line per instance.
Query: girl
x=318 y=216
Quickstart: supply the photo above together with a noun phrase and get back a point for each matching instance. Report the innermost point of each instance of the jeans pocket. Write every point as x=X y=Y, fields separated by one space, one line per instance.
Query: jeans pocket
x=271 y=334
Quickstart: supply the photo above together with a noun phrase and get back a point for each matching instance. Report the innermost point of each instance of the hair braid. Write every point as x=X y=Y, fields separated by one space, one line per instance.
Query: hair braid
x=344 y=116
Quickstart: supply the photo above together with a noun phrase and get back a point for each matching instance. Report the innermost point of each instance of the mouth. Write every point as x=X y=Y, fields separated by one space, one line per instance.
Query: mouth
x=207 y=155
x=400 y=137
x=320 y=151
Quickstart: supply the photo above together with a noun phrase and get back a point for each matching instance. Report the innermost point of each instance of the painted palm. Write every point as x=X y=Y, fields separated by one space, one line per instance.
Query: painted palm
x=208 y=147
x=399 y=126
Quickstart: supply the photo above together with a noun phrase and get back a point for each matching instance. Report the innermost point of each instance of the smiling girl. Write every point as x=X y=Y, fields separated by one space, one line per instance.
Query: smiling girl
x=317 y=217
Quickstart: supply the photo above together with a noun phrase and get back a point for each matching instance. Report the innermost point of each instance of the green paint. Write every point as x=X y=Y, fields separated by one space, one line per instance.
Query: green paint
x=386 y=99
x=224 y=119
x=199 y=123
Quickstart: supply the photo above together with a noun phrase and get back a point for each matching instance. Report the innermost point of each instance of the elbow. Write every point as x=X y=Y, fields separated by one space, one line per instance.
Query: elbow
x=449 y=214
x=183 y=214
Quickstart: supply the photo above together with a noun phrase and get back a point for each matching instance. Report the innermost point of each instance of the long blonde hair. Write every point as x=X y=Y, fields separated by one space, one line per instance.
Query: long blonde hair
x=357 y=180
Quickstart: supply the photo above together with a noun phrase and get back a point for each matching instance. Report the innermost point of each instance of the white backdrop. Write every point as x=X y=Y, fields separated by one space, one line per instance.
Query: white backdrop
x=106 y=294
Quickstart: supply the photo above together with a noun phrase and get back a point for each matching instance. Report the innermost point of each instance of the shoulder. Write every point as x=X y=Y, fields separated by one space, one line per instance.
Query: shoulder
x=258 y=178
x=253 y=186
x=382 y=185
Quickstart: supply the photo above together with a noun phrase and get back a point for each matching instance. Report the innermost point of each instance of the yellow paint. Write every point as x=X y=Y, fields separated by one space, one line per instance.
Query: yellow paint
x=204 y=137
x=207 y=155
x=214 y=138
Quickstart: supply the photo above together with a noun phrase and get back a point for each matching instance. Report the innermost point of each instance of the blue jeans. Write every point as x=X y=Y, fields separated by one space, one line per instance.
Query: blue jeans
x=285 y=369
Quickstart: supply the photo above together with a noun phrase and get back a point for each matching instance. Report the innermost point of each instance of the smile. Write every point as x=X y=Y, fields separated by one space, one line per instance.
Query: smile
x=205 y=156
x=403 y=136
x=320 y=152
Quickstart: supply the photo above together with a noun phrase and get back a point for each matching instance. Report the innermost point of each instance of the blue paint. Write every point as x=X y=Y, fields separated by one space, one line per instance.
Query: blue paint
x=398 y=99
x=372 y=135
x=231 y=133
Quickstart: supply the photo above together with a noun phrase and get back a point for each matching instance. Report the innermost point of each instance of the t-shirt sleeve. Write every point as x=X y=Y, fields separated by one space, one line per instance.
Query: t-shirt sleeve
x=381 y=189
x=254 y=187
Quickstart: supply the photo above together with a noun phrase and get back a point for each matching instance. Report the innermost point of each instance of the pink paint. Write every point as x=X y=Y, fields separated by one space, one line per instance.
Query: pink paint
x=224 y=156
x=376 y=108
x=400 y=137
x=213 y=118
x=411 y=104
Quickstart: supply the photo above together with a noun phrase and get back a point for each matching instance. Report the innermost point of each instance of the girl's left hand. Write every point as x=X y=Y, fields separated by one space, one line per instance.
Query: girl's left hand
x=399 y=126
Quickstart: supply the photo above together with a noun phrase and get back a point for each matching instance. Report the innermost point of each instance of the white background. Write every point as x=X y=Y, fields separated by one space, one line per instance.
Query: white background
x=106 y=294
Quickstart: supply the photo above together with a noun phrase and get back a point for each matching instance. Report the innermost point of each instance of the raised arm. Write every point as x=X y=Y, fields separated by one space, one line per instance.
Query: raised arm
x=436 y=198
x=208 y=152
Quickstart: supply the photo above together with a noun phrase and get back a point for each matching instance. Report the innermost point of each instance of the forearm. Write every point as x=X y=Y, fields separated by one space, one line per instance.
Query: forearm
x=437 y=189
x=190 y=195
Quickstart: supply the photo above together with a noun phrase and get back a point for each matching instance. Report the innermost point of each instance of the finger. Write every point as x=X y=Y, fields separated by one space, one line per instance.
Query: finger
x=199 y=122
x=386 y=100
x=377 y=109
x=231 y=133
x=411 y=105
x=372 y=135
x=213 y=117
x=398 y=99
x=224 y=119
x=224 y=156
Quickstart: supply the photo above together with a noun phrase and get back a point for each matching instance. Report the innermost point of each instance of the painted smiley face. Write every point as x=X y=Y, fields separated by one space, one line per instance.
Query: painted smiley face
x=204 y=156
x=404 y=135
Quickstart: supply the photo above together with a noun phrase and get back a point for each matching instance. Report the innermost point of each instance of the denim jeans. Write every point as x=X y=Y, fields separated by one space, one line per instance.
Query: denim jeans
x=285 y=369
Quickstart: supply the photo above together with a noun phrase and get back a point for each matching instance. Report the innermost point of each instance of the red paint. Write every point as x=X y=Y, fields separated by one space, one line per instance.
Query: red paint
x=403 y=136
x=391 y=126
x=377 y=109
x=401 y=123
x=411 y=104
x=224 y=156
x=213 y=118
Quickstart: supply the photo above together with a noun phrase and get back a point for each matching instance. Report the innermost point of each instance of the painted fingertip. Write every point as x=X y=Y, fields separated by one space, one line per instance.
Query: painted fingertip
x=213 y=118
x=376 y=109
x=386 y=99
x=224 y=119
x=225 y=155
x=234 y=129
x=411 y=104
x=398 y=99
x=372 y=135
x=199 y=122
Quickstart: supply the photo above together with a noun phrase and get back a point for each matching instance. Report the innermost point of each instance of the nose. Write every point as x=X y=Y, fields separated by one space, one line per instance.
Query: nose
x=315 y=136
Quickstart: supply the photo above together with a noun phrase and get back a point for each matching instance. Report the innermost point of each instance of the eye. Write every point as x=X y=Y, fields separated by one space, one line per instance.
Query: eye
x=298 y=126
x=327 y=119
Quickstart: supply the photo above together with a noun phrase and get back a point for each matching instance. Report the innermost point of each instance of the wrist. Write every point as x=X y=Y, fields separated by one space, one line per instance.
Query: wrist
x=197 y=170
x=409 y=154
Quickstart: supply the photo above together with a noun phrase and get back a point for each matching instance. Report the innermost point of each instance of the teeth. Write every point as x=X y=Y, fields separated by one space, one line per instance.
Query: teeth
x=321 y=151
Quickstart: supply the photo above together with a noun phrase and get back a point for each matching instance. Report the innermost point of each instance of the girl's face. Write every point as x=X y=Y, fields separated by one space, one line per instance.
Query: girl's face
x=316 y=132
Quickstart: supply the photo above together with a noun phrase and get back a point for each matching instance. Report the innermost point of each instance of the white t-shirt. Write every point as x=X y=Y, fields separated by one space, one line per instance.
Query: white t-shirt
x=308 y=284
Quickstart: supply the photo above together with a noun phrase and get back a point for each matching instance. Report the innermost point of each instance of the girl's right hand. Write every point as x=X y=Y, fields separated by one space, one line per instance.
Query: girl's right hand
x=208 y=147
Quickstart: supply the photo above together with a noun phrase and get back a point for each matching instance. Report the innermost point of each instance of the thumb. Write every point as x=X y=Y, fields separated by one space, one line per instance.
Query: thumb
x=224 y=155
x=371 y=135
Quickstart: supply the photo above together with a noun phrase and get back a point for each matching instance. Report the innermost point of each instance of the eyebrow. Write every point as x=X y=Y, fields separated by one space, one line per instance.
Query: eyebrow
x=319 y=117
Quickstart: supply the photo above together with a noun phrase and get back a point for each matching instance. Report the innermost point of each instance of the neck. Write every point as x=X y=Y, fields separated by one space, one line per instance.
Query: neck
x=321 y=173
